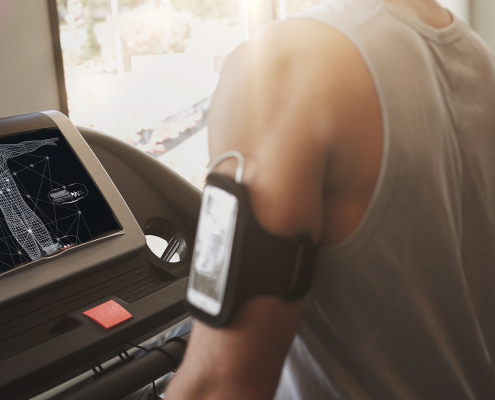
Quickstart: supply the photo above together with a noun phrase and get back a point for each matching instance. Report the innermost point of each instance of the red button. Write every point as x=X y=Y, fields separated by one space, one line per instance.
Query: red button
x=108 y=314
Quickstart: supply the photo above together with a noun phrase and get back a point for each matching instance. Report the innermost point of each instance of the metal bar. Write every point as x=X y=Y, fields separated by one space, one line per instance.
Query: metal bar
x=116 y=36
x=171 y=249
x=57 y=56
x=136 y=374
x=243 y=18
x=282 y=7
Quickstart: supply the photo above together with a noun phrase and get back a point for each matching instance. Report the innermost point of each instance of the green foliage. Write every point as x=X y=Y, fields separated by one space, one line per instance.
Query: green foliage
x=160 y=32
x=204 y=9
x=62 y=7
x=299 y=5
x=91 y=48
x=208 y=9
x=99 y=5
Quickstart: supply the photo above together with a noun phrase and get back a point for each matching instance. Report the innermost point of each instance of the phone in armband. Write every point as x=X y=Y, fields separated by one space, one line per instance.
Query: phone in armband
x=234 y=258
x=212 y=250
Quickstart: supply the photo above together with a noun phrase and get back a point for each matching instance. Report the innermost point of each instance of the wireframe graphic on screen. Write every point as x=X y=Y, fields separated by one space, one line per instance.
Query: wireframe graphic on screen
x=24 y=224
x=68 y=194
x=48 y=202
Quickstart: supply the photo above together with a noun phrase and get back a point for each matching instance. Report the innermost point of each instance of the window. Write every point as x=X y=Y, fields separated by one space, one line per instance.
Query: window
x=144 y=71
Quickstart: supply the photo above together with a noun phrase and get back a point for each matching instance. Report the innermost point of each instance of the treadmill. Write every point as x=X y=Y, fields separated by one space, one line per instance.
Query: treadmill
x=78 y=284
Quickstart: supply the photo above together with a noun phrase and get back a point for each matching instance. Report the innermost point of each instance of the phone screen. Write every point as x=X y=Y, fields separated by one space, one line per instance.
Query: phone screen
x=212 y=250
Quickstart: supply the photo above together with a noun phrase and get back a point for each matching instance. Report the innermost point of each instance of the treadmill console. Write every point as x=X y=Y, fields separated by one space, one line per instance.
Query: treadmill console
x=75 y=206
x=49 y=203
x=55 y=200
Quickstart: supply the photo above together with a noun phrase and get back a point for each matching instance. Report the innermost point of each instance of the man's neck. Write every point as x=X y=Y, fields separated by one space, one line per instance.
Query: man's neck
x=427 y=11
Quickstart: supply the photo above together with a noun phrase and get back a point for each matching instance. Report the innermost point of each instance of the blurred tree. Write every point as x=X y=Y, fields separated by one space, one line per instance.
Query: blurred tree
x=99 y=6
x=143 y=31
x=62 y=7
x=159 y=32
x=208 y=9
x=91 y=48
x=294 y=6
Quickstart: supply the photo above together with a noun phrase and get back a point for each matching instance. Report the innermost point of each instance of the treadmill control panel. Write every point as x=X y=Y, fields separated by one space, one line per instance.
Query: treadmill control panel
x=77 y=281
x=48 y=201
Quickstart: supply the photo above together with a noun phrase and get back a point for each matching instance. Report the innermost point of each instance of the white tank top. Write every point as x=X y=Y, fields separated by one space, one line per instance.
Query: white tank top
x=405 y=308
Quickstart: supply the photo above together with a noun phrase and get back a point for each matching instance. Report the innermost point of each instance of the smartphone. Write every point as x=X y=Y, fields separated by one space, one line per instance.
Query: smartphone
x=212 y=250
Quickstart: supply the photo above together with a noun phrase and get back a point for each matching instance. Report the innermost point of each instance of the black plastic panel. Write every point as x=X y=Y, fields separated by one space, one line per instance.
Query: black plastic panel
x=45 y=339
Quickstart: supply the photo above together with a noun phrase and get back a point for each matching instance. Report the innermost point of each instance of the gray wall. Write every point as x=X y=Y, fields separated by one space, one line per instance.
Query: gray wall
x=483 y=20
x=27 y=78
x=461 y=8
x=480 y=14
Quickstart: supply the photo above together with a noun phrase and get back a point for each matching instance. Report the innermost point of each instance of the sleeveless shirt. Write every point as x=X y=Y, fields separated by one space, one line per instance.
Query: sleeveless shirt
x=405 y=307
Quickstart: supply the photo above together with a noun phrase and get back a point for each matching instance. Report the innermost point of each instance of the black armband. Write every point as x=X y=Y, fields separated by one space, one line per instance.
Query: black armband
x=235 y=259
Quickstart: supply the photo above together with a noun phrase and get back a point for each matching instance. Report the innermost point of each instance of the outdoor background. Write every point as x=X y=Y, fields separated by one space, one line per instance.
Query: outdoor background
x=145 y=70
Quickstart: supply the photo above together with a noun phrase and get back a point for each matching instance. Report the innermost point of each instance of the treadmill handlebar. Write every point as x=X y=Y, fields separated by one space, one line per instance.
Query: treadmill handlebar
x=136 y=374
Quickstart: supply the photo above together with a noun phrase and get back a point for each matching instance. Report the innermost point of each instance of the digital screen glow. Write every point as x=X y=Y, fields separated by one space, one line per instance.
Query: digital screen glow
x=48 y=201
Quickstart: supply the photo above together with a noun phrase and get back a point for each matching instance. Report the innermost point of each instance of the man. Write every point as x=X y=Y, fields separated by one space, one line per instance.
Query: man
x=369 y=124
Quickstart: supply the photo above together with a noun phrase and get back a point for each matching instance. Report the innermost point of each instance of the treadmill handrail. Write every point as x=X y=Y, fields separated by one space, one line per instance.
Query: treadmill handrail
x=136 y=374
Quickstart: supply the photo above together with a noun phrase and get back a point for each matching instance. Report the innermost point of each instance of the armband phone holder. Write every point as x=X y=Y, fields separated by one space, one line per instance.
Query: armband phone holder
x=235 y=258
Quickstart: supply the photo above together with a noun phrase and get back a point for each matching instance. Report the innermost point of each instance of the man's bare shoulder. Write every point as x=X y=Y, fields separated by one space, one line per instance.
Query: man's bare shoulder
x=296 y=69
x=287 y=99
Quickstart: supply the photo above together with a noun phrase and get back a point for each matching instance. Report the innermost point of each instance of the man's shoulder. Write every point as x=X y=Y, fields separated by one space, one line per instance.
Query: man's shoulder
x=305 y=63
x=298 y=45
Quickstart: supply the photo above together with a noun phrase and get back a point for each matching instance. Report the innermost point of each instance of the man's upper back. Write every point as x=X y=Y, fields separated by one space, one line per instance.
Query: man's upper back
x=403 y=307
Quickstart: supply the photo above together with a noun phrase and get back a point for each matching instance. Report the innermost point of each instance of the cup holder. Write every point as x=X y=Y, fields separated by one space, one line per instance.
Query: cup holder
x=165 y=240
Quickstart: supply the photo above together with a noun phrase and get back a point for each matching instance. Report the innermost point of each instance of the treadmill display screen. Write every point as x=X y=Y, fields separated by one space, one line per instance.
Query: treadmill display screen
x=48 y=201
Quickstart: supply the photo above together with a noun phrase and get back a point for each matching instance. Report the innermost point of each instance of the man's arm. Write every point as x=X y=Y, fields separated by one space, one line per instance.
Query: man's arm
x=14 y=150
x=284 y=100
